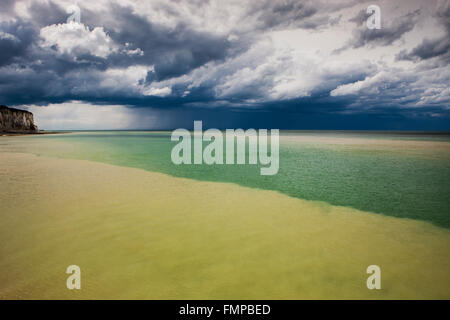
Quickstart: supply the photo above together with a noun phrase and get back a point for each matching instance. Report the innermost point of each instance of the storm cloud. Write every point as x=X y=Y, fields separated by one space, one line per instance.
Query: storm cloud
x=186 y=59
x=433 y=47
x=363 y=36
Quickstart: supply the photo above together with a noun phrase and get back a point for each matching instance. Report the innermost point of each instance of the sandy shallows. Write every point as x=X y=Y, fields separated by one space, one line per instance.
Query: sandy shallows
x=137 y=234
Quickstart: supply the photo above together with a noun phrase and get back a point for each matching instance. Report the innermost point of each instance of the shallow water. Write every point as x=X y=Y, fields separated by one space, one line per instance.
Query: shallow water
x=396 y=174
x=138 y=234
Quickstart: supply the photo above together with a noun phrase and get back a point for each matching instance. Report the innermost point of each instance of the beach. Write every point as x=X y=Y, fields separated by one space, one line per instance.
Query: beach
x=138 y=234
x=225 y=150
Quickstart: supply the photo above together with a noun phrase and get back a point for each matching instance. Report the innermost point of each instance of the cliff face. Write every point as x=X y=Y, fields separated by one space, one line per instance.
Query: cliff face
x=15 y=120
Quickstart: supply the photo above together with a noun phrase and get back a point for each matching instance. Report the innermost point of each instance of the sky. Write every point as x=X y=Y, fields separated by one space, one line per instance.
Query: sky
x=283 y=64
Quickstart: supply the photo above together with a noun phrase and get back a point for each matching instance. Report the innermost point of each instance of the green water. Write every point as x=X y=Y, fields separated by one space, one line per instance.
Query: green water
x=410 y=181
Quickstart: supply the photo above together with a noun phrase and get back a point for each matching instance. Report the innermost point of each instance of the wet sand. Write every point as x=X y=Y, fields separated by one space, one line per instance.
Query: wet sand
x=144 y=235
x=370 y=143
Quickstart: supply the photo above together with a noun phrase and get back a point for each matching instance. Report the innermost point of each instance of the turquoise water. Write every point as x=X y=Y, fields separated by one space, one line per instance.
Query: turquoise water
x=411 y=181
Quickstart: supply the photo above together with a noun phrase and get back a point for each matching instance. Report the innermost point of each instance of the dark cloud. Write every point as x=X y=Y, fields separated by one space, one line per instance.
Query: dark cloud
x=389 y=33
x=172 y=51
x=15 y=40
x=7 y=7
x=431 y=48
x=307 y=114
x=207 y=72
x=272 y=14
x=275 y=15
x=47 y=13
x=360 y=18
x=51 y=76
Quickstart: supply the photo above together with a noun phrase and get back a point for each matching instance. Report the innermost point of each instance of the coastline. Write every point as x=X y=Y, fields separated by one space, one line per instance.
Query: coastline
x=26 y=133
x=146 y=235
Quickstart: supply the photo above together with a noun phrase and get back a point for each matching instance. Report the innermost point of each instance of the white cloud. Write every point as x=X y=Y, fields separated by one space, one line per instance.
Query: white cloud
x=272 y=70
x=159 y=92
x=123 y=78
x=8 y=36
x=398 y=87
x=369 y=83
x=76 y=38
x=77 y=115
